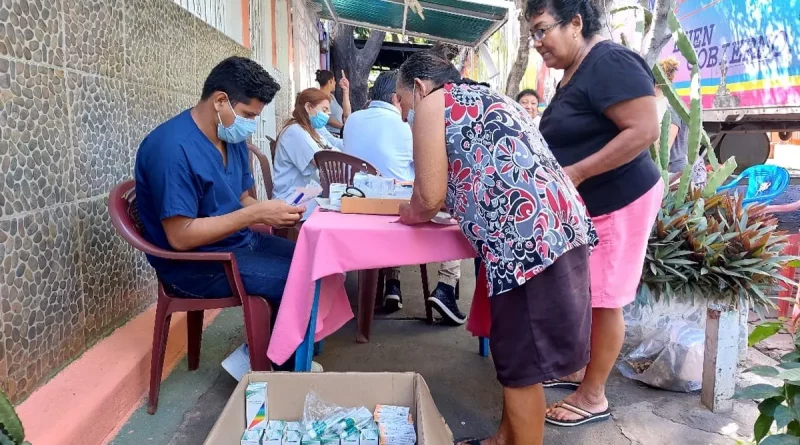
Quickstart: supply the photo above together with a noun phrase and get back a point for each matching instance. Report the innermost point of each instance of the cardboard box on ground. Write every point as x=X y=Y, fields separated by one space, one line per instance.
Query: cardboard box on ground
x=287 y=392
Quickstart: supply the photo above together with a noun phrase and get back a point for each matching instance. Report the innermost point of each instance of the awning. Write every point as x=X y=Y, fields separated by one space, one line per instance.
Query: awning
x=462 y=22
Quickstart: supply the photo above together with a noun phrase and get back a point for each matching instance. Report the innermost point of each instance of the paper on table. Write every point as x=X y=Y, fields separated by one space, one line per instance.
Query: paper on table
x=325 y=203
x=238 y=363
x=308 y=193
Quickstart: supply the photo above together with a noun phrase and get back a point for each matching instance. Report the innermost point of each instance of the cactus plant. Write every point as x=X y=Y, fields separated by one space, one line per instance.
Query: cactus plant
x=693 y=115
x=11 y=430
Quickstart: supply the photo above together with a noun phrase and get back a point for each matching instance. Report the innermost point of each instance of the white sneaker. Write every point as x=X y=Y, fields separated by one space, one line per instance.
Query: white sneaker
x=316 y=367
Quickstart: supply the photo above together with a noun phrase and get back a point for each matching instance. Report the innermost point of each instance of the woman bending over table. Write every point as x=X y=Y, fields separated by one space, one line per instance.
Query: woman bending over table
x=479 y=153
x=298 y=142
x=599 y=125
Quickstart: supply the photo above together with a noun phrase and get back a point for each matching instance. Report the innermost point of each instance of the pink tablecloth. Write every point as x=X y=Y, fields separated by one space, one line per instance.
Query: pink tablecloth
x=332 y=243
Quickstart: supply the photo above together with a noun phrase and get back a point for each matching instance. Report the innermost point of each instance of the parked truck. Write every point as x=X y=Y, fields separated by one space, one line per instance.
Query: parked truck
x=749 y=59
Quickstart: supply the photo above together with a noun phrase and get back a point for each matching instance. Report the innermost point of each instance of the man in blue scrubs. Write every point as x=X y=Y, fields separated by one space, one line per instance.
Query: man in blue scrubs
x=192 y=182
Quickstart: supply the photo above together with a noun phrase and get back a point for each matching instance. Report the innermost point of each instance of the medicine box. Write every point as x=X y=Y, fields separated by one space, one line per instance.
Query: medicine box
x=272 y=437
x=288 y=391
x=252 y=437
x=256 y=406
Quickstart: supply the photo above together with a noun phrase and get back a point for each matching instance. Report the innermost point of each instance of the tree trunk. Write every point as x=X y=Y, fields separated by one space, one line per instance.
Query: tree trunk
x=356 y=63
x=523 y=52
x=659 y=34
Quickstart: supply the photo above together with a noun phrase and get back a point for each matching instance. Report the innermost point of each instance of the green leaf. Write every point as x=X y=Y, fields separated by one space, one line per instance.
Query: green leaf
x=790 y=365
x=790 y=374
x=793 y=263
x=763 y=332
x=5 y=440
x=781 y=439
x=11 y=423
x=761 y=427
x=767 y=407
x=764 y=371
x=791 y=357
x=783 y=415
x=757 y=392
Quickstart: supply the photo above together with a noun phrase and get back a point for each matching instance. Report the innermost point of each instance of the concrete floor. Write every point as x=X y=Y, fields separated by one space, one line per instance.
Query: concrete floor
x=463 y=385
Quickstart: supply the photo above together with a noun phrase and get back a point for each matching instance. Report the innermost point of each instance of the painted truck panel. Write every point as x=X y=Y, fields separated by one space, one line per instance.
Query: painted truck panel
x=748 y=52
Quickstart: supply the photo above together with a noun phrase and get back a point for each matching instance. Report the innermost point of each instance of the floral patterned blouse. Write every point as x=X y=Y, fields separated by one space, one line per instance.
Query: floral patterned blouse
x=509 y=195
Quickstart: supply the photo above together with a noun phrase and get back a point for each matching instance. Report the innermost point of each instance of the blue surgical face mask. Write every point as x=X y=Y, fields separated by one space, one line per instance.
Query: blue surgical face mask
x=241 y=129
x=410 y=117
x=319 y=120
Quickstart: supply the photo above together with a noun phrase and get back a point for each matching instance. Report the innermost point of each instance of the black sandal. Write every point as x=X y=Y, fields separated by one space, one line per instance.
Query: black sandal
x=561 y=384
x=585 y=416
x=470 y=441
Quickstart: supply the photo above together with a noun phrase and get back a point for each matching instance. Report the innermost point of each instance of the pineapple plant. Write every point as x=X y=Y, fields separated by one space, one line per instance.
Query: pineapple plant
x=714 y=248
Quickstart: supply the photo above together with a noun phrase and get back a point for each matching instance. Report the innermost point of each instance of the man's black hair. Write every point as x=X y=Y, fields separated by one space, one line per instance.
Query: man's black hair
x=384 y=87
x=242 y=80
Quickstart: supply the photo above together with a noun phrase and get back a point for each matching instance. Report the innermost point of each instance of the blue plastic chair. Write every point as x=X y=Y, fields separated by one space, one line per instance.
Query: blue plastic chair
x=764 y=183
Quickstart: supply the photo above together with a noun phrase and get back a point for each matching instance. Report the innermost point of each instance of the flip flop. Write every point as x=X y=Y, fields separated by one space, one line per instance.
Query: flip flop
x=586 y=416
x=470 y=441
x=561 y=384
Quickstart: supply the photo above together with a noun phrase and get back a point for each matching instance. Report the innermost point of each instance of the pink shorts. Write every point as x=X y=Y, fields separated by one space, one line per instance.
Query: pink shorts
x=616 y=263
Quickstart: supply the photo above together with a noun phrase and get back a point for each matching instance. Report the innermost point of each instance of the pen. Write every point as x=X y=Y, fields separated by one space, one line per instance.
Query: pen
x=297 y=200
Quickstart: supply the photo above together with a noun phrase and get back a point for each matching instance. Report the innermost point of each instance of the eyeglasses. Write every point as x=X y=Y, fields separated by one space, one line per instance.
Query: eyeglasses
x=540 y=33
x=353 y=192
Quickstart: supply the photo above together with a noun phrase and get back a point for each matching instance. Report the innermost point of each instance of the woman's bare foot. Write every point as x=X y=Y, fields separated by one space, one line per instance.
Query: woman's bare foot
x=572 y=381
x=575 y=377
x=578 y=400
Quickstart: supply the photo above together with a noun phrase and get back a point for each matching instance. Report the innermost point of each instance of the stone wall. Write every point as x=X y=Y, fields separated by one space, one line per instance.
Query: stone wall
x=81 y=83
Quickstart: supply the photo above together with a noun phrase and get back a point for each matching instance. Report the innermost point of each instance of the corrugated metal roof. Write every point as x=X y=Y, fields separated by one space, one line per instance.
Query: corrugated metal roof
x=463 y=22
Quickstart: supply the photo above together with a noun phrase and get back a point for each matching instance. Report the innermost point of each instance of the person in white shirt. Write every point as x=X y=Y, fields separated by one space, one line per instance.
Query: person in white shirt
x=379 y=136
x=300 y=139
x=529 y=100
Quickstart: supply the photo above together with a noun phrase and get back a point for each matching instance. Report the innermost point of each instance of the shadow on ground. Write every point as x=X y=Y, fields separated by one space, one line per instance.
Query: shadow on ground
x=463 y=385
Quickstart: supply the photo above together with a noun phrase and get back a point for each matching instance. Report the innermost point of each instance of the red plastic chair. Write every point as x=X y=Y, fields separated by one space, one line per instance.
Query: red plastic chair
x=266 y=169
x=256 y=310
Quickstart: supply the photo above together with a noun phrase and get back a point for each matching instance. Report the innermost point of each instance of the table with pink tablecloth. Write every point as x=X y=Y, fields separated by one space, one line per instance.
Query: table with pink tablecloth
x=331 y=244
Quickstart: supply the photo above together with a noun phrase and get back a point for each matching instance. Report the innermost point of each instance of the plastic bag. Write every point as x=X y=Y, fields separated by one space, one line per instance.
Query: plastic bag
x=319 y=416
x=322 y=418
x=641 y=321
x=670 y=359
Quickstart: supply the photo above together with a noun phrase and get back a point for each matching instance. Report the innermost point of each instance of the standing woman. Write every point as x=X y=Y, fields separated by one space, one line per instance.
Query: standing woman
x=529 y=100
x=678 y=134
x=599 y=125
x=339 y=113
x=299 y=140
x=477 y=153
